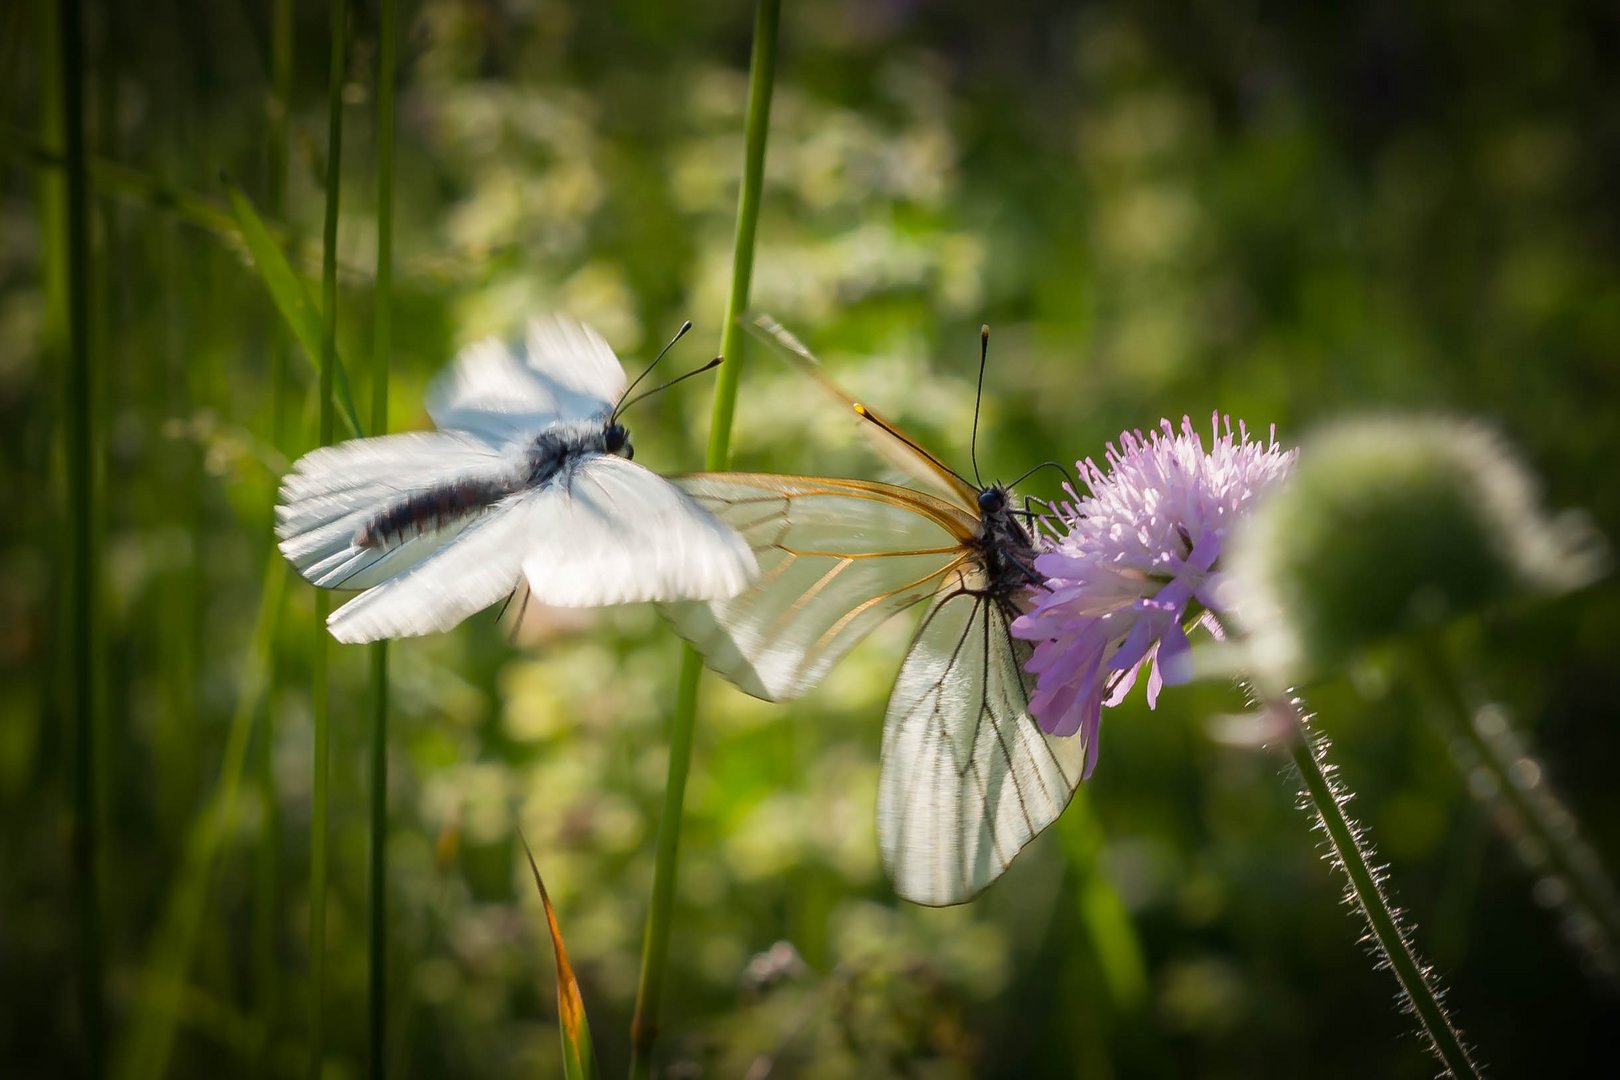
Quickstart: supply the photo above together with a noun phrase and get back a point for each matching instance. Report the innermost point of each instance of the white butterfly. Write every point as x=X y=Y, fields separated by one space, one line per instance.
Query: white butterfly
x=528 y=481
x=968 y=777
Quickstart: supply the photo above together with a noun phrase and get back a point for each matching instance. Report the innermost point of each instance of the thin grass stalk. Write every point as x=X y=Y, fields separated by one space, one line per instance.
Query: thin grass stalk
x=280 y=156
x=1506 y=778
x=381 y=347
x=267 y=877
x=660 y=916
x=1354 y=855
x=318 y=691
x=113 y=377
x=79 y=457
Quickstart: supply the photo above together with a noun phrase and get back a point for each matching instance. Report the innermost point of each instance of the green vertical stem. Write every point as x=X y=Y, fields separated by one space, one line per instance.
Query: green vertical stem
x=761 y=81
x=1524 y=806
x=1355 y=857
x=79 y=458
x=267 y=884
x=281 y=69
x=381 y=346
x=660 y=915
x=320 y=704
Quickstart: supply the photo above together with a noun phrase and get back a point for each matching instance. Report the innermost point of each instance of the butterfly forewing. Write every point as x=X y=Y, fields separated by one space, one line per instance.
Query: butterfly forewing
x=893 y=445
x=836 y=558
x=968 y=778
x=563 y=370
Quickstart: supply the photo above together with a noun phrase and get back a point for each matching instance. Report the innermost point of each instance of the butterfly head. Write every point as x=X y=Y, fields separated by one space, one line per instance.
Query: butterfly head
x=616 y=440
x=992 y=500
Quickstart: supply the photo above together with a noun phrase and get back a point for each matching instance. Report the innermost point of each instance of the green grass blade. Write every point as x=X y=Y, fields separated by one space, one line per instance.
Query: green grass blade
x=80 y=453
x=381 y=347
x=320 y=712
x=292 y=299
x=267 y=878
x=109 y=178
x=579 y=1055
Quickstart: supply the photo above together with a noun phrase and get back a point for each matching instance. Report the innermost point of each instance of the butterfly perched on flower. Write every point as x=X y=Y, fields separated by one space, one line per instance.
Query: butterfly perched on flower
x=968 y=778
x=528 y=483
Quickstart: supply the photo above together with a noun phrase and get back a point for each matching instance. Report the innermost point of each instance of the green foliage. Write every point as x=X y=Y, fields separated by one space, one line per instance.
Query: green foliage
x=291 y=298
x=1159 y=209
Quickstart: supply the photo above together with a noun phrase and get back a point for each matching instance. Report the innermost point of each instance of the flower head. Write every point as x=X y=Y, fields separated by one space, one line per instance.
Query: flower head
x=1125 y=565
x=1394 y=524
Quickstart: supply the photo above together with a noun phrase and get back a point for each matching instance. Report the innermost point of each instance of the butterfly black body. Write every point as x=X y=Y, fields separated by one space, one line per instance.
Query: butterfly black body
x=546 y=455
x=1004 y=547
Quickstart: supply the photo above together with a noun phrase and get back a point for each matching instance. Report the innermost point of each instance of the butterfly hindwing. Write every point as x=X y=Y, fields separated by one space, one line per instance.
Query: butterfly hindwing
x=334 y=491
x=968 y=777
x=615 y=533
x=457 y=580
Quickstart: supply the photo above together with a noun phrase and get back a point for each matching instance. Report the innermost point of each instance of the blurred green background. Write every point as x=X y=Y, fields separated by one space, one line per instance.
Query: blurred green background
x=1163 y=207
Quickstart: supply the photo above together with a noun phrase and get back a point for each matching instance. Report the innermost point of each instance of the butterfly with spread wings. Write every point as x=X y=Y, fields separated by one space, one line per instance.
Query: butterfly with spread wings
x=527 y=484
x=968 y=778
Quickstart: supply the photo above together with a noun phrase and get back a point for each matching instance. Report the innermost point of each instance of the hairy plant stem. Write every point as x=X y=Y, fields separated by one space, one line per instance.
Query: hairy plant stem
x=660 y=915
x=381 y=346
x=1354 y=856
x=1524 y=807
x=318 y=690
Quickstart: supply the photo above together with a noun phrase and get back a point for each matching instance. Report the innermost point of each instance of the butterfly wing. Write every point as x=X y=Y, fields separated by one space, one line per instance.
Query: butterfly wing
x=456 y=580
x=617 y=533
x=896 y=447
x=332 y=492
x=968 y=777
x=562 y=370
x=837 y=558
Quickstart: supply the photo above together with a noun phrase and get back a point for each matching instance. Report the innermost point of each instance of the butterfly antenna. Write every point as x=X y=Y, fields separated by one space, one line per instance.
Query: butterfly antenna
x=710 y=366
x=973 y=443
x=1044 y=465
x=621 y=406
x=867 y=414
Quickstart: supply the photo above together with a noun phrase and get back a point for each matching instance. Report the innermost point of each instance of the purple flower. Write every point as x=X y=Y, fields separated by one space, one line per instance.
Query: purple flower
x=1130 y=564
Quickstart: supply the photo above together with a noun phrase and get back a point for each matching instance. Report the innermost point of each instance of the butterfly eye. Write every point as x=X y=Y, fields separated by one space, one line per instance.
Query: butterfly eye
x=992 y=501
x=616 y=440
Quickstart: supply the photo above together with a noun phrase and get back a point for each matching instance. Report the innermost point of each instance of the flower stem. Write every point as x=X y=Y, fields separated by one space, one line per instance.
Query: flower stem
x=381 y=346
x=660 y=915
x=1503 y=775
x=318 y=691
x=1354 y=856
